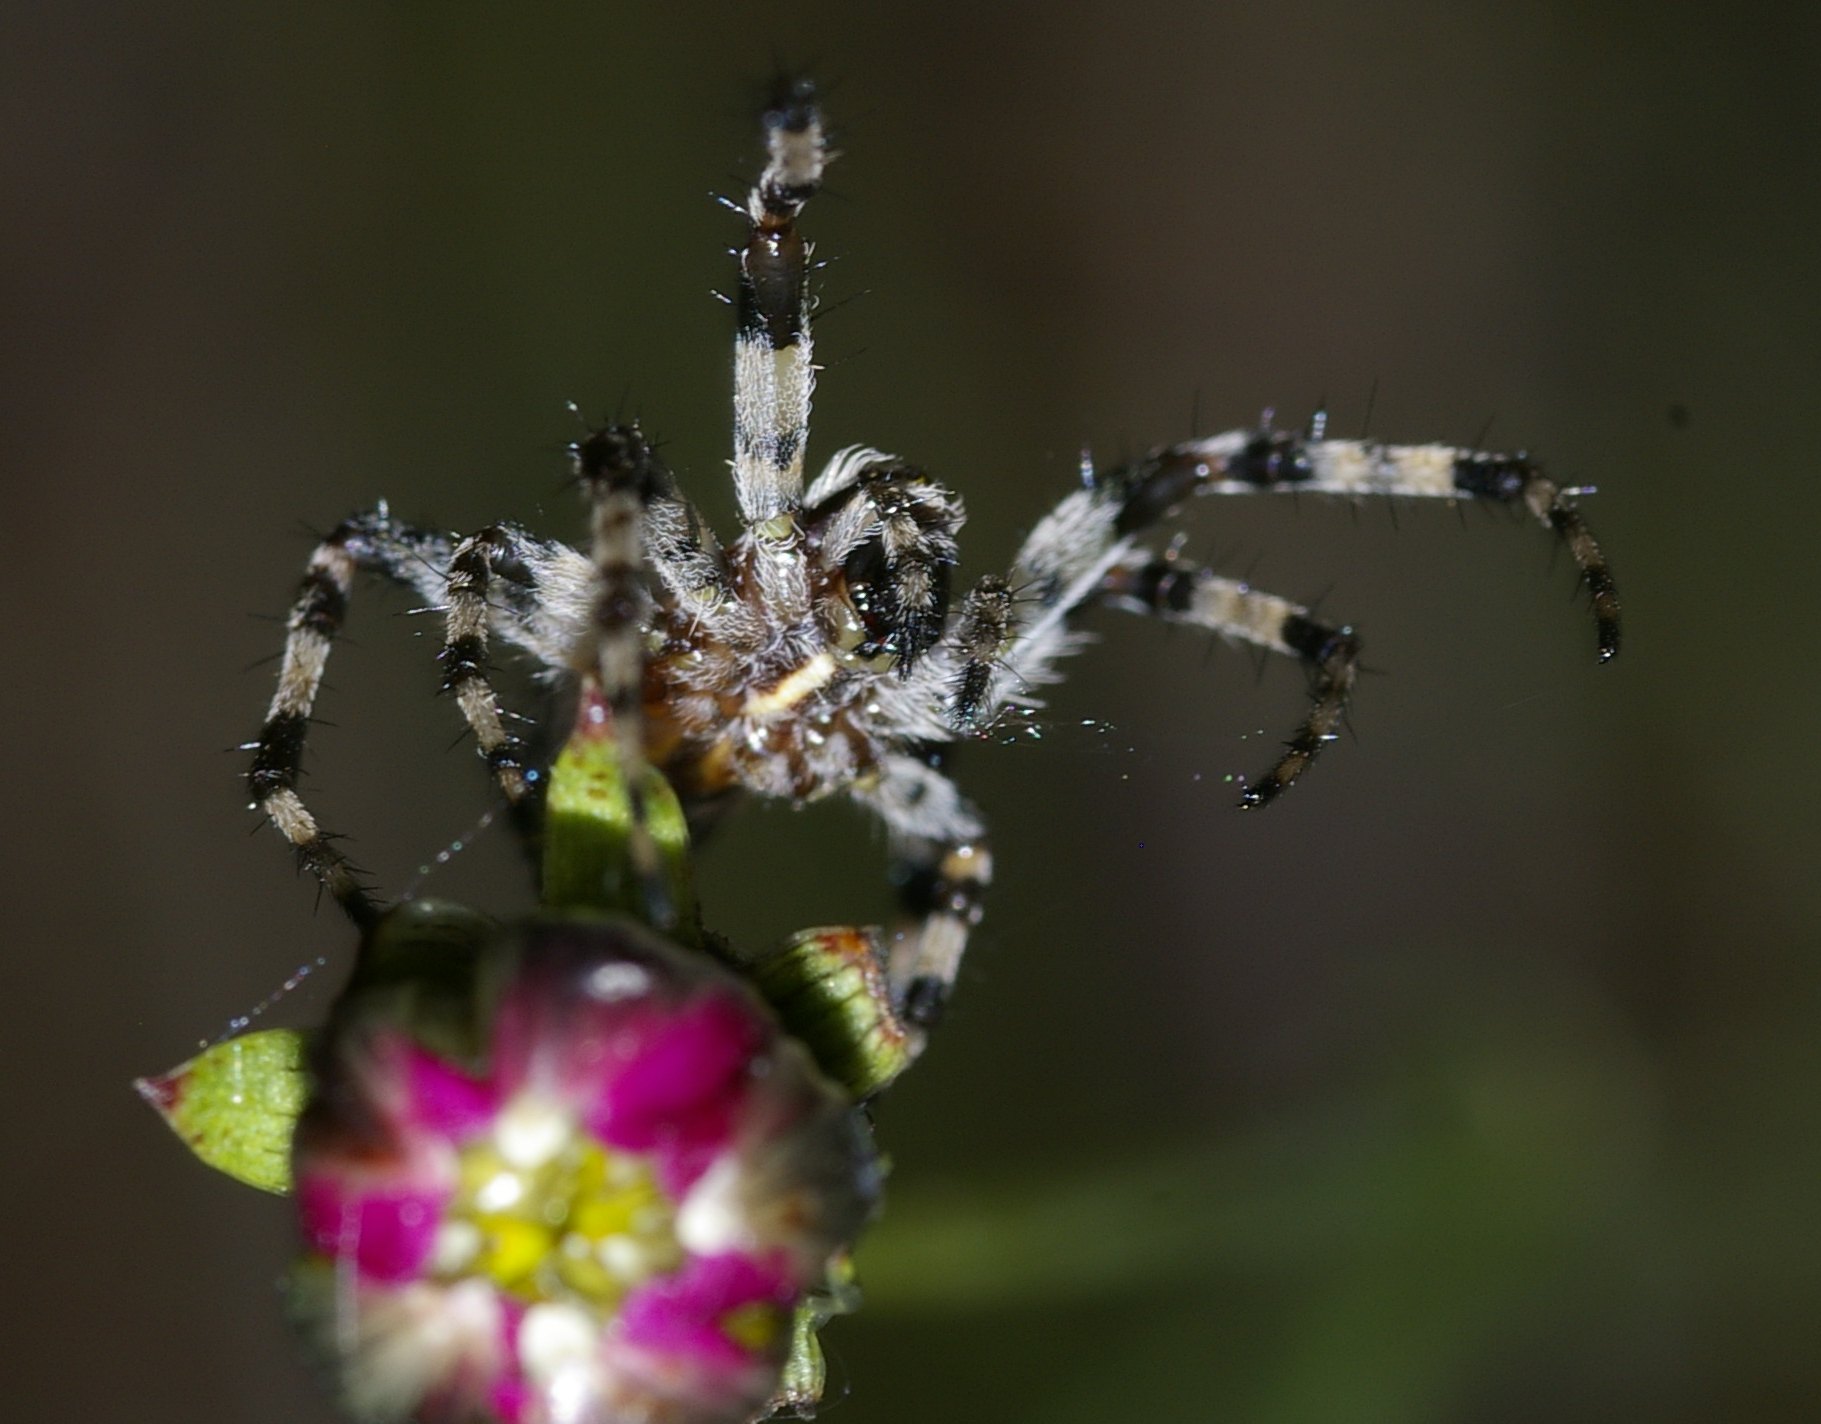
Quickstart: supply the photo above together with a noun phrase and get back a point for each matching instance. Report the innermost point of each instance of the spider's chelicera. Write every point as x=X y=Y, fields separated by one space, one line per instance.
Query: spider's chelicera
x=825 y=651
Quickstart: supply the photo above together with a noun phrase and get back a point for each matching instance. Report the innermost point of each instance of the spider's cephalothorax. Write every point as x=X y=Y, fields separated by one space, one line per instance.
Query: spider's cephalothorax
x=823 y=651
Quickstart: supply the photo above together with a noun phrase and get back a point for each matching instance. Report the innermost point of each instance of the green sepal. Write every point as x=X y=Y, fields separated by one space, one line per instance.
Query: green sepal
x=588 y=831
x=420 y=965
x=805 y=1374
x=235 y=1105
x=828 y=986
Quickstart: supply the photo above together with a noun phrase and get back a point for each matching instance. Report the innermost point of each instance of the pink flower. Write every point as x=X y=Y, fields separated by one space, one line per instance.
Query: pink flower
x=585 y=1180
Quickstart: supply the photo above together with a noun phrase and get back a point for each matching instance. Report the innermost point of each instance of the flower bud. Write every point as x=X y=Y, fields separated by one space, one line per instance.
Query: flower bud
x=601 y=1198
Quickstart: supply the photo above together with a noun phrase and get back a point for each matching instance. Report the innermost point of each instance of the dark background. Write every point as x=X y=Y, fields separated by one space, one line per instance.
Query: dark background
x=1476 y=1081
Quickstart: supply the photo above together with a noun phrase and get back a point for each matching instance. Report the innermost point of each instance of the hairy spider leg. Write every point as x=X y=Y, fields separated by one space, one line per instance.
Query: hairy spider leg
x=368 y=542
x=621 y=476
x=1084 y=550
x=1284 y=461
x=530 y=591
x=473 y=569
x=982 y=632
x=942 y=866
x=886 y=531
x=774 y=370
x=1182 y=593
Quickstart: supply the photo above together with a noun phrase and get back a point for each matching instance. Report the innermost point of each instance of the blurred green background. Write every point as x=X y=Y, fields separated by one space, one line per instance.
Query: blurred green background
x=1477 y=1081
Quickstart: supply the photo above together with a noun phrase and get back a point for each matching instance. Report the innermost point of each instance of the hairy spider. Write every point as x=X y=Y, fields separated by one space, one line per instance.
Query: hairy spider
x=822 y=652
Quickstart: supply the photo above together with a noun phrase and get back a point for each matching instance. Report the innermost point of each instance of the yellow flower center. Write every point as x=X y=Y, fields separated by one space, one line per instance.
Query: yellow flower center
x=547 y=1213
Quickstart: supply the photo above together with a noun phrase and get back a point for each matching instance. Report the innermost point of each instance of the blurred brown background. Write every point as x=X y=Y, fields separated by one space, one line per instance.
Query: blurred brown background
x=1477 y=1081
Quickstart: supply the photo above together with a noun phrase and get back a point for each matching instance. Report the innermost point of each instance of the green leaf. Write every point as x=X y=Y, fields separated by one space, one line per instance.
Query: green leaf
x=235 y=1105
x=589 y=829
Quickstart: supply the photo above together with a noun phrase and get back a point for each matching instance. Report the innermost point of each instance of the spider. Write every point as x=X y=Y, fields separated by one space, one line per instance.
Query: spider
x=824 y=651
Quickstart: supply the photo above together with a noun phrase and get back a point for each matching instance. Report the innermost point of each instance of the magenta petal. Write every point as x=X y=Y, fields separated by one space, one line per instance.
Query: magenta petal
x=682 y=1315
x=510 y=1399
x=685 y=1160
x=388 y=1235
x=685 y=1079
x=446 y=1101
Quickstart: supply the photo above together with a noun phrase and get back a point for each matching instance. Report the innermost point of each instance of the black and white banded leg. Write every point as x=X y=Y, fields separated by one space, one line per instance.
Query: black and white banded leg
x=942 y=866
x=369 y=542
x=1180 y=593
x=1089 y=538
x=774 y=368
x=1283 y=461
x=942 y=887
x=475 y=570
x=622 y=476
x=890 y=529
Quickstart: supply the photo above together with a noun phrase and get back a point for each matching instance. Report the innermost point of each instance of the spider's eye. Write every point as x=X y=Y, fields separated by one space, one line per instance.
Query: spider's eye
x=899 y=606
x=869 y=588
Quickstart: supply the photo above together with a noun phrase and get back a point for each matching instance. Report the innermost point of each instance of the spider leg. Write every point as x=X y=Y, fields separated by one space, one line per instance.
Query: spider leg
x=1069 y=554
x=774 y=371
x=887 y=534
x=476 y=570
x=1011 y=632
x=942 y=865
x=370 y=542
x=980 y=637
x=1150 y=583
x=944 y=884
x=684 y=555
x=622 y=476
x=1248 y=461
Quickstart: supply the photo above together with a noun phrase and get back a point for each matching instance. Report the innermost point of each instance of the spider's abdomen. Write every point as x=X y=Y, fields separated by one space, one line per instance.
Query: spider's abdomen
x=743 y=703
x=794 y=735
